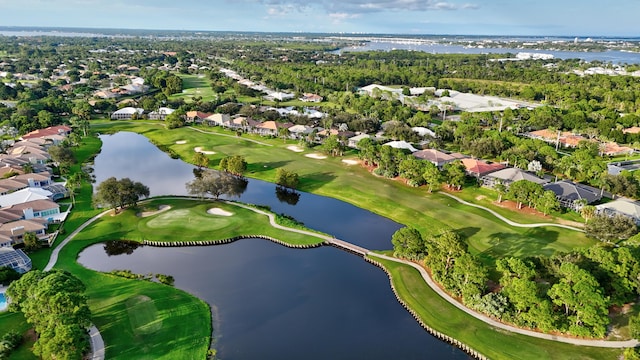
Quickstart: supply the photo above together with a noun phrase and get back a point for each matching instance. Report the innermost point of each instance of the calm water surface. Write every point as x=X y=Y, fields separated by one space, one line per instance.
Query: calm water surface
x=613 y=56
x=268 y=301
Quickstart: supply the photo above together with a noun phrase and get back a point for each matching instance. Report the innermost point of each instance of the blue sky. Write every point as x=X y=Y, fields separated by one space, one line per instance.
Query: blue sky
x=474 y=17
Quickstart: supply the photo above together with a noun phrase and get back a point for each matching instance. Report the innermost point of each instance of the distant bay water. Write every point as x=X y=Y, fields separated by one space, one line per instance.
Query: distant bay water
x=380 y=44
x=611 y=56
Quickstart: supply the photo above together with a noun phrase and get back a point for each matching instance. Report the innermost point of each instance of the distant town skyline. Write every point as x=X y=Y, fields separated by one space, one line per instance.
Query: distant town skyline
x=465 y=17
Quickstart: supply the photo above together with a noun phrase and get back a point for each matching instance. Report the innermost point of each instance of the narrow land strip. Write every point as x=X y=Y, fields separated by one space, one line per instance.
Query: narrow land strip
x=365 y=252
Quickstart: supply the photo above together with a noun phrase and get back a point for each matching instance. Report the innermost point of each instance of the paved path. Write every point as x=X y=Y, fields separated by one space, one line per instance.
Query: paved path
x=97 y=344
x=54 y=254
x=444 y=295
x=512 y=223
x=98 y=348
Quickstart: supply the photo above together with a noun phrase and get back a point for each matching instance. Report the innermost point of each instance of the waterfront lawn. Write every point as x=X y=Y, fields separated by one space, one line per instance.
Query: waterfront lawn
x=487 y=236
x=179 y=327
x=188 y=220
x=491 y=342
x=141 y=319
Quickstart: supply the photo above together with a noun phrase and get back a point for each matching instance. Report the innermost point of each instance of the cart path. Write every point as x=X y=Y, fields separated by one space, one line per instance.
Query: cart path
x=427 y=278
x=423 y=272
x=510 y=222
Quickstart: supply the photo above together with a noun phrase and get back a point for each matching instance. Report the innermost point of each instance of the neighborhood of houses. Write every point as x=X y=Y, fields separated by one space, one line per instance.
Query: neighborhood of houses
x=28 y=194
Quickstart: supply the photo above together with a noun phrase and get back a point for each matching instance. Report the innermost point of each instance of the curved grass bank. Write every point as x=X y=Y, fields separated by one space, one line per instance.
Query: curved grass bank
x=141 y=319
x=487 y=236
x=492 y=343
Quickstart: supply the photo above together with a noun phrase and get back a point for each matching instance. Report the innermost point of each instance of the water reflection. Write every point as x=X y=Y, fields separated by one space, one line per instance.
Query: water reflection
x=288 y=196
x=272 y=302
x=127 y=154
x=120 y=247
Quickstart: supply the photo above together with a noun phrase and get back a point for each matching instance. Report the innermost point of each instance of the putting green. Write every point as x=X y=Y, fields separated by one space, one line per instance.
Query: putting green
x=188 y=219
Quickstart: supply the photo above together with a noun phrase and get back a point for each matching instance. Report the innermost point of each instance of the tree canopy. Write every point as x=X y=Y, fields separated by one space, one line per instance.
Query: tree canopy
x=119 y=193
x=55 y=304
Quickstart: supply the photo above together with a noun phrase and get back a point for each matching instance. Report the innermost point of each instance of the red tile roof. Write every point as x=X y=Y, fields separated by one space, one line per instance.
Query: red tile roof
x=52 y=130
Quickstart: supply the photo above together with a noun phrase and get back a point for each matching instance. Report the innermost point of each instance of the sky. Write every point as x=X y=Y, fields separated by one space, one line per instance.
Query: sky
x=463 y=17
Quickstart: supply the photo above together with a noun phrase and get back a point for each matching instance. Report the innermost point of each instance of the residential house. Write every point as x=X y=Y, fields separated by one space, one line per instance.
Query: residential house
x=8 y=186
x=127 y=113
x=13 y=258
x=271 y=127
x=572 y=195
x=307 y=97
x=24 y=195
x=614 y=149
x=53 y=133
x=566 y=139
x=243 y=123
x=280 y=96
x=195 y=116
x=632 y=130
x=436 y=157
x=615 y=168
x=218 y=120
x=353 y=141
x=622 y=206
x=15 y=230
x=39 y=180
x=300 y=131
x=508 y=176
x=160 y=114
x=42 y=208
x=401 y=145
x=479 y=168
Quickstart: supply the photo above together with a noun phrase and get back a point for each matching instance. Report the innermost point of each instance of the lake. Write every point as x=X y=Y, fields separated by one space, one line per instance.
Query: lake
x=269 y=301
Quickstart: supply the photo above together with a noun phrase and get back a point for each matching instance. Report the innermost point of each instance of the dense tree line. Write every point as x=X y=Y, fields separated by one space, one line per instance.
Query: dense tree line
x=55 y=304
x=570 y=293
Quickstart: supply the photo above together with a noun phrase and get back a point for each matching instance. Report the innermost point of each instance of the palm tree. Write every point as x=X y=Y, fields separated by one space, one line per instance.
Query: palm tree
x=284 y=132
x=73 y=182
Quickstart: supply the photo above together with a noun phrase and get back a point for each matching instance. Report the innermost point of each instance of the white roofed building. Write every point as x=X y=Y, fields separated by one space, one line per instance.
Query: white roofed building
x=160 y=114
x=127 y=113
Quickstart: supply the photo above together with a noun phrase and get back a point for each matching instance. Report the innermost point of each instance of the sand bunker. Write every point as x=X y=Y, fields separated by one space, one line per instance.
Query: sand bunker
x=295 y=148
x=161 y=208
x=316 y=156
x=218 y=211
x=350 y=162
x=199 y=149
x=180 y=142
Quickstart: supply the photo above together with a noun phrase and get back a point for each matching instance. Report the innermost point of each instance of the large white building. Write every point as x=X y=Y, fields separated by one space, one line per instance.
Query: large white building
x=126 y=113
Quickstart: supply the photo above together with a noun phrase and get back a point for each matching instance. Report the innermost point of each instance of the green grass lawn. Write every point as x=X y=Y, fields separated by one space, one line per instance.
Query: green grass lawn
x=430 y=213
x=195 y=85
x=493 y=343
x=187 y=220
x=141 y=319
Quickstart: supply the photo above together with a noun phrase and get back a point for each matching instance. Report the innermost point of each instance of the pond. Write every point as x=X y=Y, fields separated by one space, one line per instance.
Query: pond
x=269 y=301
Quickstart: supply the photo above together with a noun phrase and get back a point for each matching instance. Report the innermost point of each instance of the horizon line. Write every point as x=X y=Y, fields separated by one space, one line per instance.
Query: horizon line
x=76 y=28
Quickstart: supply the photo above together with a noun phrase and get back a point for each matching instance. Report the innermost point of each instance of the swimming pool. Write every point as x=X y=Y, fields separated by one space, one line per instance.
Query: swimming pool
x=3 y=302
